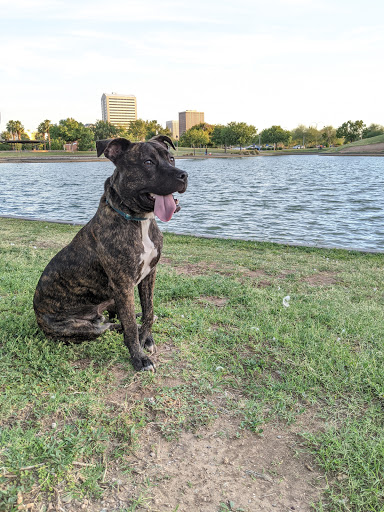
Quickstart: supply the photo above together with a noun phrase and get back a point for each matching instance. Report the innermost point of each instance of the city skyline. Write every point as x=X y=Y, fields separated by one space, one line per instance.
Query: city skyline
x=285 y=62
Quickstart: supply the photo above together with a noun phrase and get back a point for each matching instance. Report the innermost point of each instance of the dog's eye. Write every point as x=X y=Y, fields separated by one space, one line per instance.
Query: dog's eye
x=171 y=159
x=148 y=162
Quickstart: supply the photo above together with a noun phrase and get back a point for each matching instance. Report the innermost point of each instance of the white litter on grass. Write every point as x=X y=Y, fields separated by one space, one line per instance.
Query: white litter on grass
x=286 y=301
x=219 y=368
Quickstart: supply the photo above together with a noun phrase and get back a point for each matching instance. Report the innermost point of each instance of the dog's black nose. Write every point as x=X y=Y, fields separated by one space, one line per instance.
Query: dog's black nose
x=182 y=175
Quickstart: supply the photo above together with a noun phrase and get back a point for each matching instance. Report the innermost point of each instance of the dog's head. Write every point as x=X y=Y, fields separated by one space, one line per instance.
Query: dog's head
x=145 y=176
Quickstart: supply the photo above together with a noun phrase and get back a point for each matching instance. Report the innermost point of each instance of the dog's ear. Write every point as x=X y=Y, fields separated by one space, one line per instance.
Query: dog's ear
x=112 y=148
x=101 y=145
x=163 y=139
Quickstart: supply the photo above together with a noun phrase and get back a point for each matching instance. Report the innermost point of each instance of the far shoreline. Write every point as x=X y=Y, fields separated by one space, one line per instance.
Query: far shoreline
x=376 y=149
x=71 y=158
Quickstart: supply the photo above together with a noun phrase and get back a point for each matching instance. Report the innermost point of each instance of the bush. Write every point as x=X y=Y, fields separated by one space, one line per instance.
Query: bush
x=57 y=144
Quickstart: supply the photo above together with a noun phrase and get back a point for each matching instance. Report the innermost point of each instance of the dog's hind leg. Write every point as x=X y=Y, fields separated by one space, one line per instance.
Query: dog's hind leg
x=146 y=287
x=74 y=329
x=85 y=323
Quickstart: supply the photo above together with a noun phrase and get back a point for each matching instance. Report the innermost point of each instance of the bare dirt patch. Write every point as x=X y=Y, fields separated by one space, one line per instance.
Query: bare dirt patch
x=264 y=284
x=214 y=466
x=253 y=274
x=322 y=279
x=214 y=301
x=368 y=148
x=204 y=268
x=47 y=244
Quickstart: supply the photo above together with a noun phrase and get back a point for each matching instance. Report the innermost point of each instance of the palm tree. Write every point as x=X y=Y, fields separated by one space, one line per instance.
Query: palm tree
x=44 y=128
x=11 y=128
x=19 y=129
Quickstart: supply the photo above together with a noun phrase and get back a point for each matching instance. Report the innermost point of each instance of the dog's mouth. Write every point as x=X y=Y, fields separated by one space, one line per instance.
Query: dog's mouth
x=164 y=206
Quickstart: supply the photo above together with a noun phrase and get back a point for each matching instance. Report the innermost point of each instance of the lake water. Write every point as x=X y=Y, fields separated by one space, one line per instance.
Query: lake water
x=304 y=200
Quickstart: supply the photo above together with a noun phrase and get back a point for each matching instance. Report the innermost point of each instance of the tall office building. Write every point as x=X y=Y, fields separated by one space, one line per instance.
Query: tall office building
x=188 y=119
x=118 y=109
x=173 y=126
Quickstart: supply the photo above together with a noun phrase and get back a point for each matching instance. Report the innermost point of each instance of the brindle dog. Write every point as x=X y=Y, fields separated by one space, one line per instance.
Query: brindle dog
x=117 y=250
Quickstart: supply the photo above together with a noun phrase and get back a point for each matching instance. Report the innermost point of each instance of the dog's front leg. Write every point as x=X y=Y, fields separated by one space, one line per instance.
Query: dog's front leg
x=146 y=287
x=125 y=305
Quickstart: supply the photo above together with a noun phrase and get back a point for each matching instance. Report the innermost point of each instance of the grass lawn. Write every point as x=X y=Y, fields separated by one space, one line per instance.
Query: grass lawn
x=362 y=142
x=45 y=154
x=232 y=349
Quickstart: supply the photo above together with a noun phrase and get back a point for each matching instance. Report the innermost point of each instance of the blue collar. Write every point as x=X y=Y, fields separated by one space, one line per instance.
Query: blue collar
x=125 y=215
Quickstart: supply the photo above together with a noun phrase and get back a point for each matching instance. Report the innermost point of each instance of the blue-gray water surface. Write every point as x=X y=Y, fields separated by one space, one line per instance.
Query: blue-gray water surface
x=305 y=200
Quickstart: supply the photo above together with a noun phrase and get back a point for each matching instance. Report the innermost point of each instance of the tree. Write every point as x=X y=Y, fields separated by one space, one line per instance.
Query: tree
x=241 y=133
x=19 y=128
x=104 y=130
x=275 y=135
x=194 y=137
x=7 y=135
x=350 y=131
x=86 y=139
x=154 y=128
x=15 y=128
x=373 y=130
x=306 y=135
x=298 y=135
x=222 y=136
x=137 y=130
x=44 y=129
x=68 y=130
x=328 y=135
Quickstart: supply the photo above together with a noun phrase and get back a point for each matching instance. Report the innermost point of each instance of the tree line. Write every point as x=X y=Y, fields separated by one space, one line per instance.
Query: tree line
x=241 y=135
x=69 y=130
x=238 y=134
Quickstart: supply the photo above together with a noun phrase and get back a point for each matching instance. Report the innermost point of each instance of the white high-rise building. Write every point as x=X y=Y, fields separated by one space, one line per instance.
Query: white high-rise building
x=118 y=109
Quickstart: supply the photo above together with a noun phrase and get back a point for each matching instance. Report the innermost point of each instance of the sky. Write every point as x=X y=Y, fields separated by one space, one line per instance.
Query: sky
x=285 y=62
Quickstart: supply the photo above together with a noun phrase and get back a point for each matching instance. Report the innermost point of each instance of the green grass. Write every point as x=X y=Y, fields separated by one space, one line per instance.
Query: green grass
x=181 y=151
x=45 y=154
x=220 y=308
x=361 y=142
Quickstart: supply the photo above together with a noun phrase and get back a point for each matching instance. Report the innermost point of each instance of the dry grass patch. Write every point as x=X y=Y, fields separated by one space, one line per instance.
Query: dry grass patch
x=322 y=279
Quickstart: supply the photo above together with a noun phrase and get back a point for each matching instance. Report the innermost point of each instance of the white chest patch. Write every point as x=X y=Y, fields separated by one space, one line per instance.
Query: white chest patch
x=150 y=251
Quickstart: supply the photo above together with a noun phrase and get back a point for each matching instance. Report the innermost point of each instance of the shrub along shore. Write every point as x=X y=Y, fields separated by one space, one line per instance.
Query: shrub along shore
x=282 y=335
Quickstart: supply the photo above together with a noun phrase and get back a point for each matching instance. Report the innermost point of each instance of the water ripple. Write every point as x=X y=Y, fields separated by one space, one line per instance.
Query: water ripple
x=310 y=200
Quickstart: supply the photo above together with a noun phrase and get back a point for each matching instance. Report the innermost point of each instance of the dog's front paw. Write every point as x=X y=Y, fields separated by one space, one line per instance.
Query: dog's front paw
x=143 y=364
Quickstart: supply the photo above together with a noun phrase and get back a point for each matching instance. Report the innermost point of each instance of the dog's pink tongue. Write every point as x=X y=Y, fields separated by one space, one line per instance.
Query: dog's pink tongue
x=165 y=207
